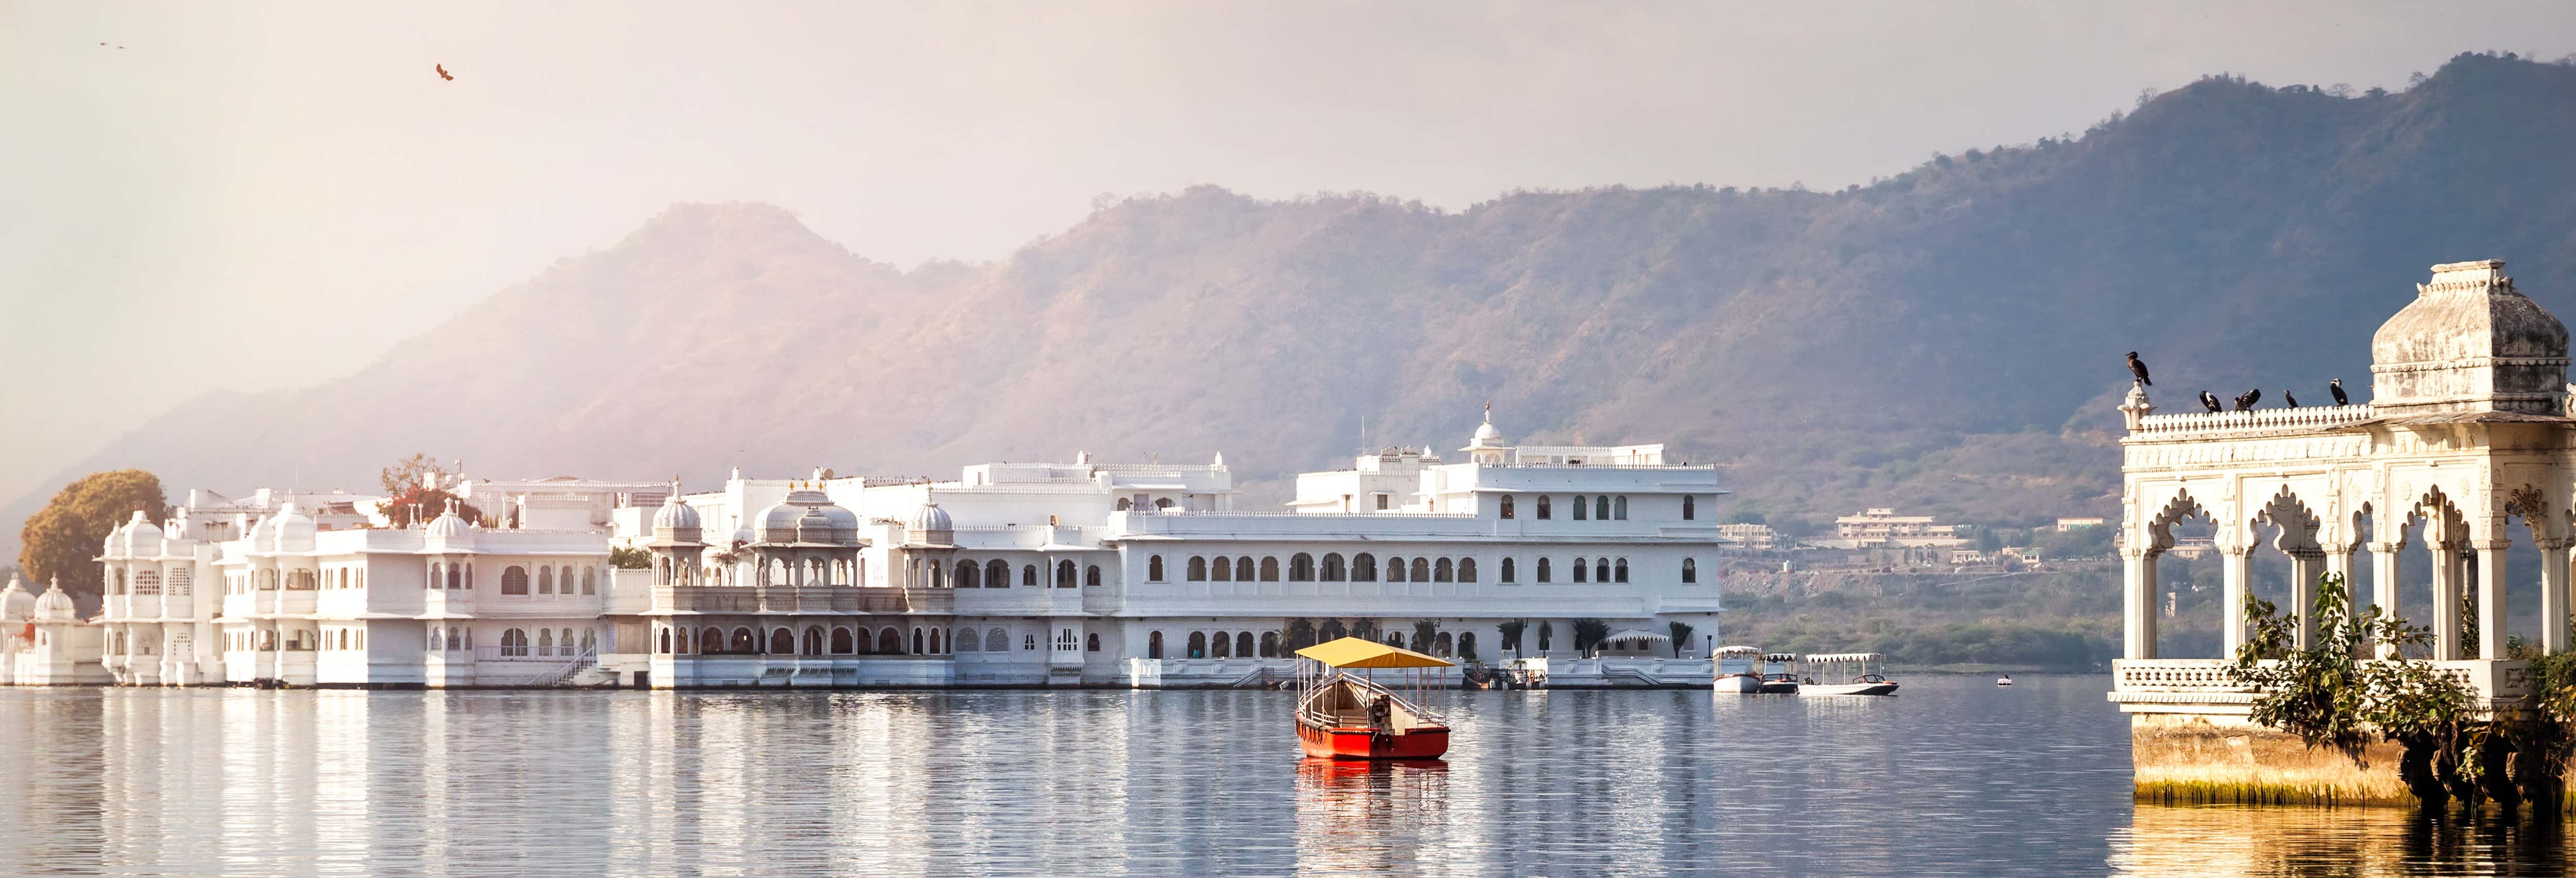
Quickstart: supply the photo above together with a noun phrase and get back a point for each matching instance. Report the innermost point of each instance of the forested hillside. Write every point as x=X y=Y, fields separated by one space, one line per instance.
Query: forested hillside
x=1945 y=340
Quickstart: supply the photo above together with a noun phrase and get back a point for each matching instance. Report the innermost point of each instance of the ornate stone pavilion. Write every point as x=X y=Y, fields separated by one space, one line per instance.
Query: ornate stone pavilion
x=2464 y=445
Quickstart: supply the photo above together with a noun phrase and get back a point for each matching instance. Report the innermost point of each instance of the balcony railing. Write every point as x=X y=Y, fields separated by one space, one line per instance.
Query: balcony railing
x=2179 y=681
x=2259 y=420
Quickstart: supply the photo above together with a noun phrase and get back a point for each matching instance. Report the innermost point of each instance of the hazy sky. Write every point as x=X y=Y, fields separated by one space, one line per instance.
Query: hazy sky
x=250 y=196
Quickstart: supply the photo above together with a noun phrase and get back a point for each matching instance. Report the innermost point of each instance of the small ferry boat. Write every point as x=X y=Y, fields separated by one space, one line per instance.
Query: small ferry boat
x=2005 y=680
x=1830 y=666
x=1344 y=711
x=1739 y=670
x=1777 y=679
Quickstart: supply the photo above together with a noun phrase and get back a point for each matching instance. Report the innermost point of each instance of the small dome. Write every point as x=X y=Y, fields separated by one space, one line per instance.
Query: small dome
x=290 y=529
x=141 y=538
x=15 y=601
x=777 y=524
x=449 y=526
x=55 y=605
x=929 y=517
x=2470 y=342
x=675 y=515
x=809 y=516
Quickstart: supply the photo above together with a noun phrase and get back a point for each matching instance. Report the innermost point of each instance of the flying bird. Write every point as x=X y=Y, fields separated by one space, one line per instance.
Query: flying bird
x=2336 y=387
x=443 y=74
x=2245 y=402
x=2139 y=368
x=2211 y=401
x=2292 y=400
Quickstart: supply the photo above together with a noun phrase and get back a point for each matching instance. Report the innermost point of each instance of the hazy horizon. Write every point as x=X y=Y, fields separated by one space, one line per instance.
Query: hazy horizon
x=248 y=198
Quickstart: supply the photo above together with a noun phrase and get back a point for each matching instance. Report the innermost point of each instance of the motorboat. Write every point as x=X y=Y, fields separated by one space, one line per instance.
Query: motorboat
x=2005 y=680
x=1777 y=676
x=1846 y=673
x=1739 y=670
x=1346 y=711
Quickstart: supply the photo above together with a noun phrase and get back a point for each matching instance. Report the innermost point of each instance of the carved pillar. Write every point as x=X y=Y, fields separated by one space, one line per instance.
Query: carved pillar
x=2491 y=607
x=2306 y=564
x=2383 y=589
x=2138 y=602
x=2553 y=594
x=2446 y=597
x=2236 y=569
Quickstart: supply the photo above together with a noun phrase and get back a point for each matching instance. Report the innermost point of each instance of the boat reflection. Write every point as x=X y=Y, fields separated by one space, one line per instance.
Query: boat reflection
x=1366 y=816
x=2217 y=840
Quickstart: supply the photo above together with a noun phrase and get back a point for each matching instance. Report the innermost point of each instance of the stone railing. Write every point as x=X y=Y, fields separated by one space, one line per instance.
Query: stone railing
x=2178 y=684
x=2259 y=420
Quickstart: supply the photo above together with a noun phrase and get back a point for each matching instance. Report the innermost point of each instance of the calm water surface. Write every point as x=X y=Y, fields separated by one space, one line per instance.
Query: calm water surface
x=1956 y=777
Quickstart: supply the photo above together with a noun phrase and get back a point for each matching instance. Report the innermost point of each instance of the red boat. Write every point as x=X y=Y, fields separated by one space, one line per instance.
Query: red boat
x=1345 y=712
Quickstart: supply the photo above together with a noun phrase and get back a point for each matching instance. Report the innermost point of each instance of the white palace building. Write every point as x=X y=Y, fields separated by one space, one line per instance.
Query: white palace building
x=1012 y=575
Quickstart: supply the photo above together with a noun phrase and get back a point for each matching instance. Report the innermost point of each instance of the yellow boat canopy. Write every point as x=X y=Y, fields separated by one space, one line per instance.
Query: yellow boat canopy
x=1353 y=652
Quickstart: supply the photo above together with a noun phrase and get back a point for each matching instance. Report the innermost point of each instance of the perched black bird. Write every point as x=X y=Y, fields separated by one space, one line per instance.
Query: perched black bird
x=2210 y=401
x=2292 y=400
x=2246 y=401
x=2139 y=368
x=2336 y=387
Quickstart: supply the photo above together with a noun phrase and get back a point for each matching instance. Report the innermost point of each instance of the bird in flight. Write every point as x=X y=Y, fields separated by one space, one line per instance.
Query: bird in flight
x=2138 y=368
x=2337 y=387
x=443 y=74
x=2209 y=401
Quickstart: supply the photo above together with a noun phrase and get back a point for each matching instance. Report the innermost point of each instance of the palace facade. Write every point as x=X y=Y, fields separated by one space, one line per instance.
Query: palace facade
x=1084 y=573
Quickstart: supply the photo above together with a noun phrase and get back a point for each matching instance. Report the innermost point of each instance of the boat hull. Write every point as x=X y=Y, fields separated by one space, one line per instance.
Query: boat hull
x=1848 y=689
x=1739 y=684
x=1358 y=742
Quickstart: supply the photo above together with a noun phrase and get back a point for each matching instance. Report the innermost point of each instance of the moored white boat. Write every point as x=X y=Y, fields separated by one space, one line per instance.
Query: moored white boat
x=1739 y=670
x=1827 y=675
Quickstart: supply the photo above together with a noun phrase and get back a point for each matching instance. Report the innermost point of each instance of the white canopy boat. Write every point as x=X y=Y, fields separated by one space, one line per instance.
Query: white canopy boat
x=1739 y=669
x=1832 y=666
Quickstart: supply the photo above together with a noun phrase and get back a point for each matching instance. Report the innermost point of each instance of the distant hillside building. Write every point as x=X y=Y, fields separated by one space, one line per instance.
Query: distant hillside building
x=1750 y=537
x=2067 y=524
x=1881 y=526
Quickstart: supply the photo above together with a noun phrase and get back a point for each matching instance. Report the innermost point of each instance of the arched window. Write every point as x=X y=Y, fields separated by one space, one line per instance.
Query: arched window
x=1442 y=646
x=1421 y=570
x=1582 y=508
x=745 y=642
x=917 y=643
x=1243 y=644
x=1542 y=507
x=1601 y=508
x=841 y=644
x=1601 y=570
x=1363 y=567
x=1221 y=646
x=814 y=641
x=1543 y=571
x=545 y=580
x=1154 y=645
x=967 y=640
x=1395 y=569
x=452 y=572
x=968 y=575
x=1690 y=507
x=1466 y=570
x=890 y=642
x=1334 y=571
x=997 y=574
x=1510 y=574
x=712 y=640
x=1690 y=570
x=1301 y=567
x=936 y=637
x=1619 y=509
x=1064 y=574
x=438 y=639
x=1545 y=633
x=1621 y=571
x=1091 y=642
x=1153 y=568
x=1442 y=572
x=1198 y=645
x=1504 y=507
x=514 y=580
x=1198 y=569
x=1582 y=570
x=1029 y=575
x=1162 y=503
x=514 y=642
x=1270 y=569
x=997 y=640
x=590 y=580
x=666 y=640
x=1222 y=570
x=437 y=574
x=545 y=641
x=1243 y=569
x=1091 y=576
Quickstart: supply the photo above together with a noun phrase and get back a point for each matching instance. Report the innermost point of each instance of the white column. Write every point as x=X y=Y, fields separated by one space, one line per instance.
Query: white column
x=2306 y=564
x=2236 y=568
x=2384 y=589
x=2491 y=606
x=2553 y=594
x=2446 y=598
x=2138 y=604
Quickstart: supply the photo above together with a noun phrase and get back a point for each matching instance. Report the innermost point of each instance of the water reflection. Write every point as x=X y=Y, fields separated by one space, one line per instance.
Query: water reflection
x=1954 y=777
x=2164 y=840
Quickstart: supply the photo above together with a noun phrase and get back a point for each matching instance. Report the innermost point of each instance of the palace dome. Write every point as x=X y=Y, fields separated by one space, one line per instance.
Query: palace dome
x=807 y=515
x=2469 y=342
x=15 y=601
x=449 y=526
x=139 y=537
x=675 y=515
x=55 y=604
x=290 y=530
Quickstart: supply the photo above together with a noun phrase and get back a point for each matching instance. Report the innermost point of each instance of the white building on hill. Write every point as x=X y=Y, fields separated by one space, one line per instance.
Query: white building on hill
x=1013 y=574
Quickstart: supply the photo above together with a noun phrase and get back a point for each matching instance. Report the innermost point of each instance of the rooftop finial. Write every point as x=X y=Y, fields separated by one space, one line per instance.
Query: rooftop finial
x=1489 y=413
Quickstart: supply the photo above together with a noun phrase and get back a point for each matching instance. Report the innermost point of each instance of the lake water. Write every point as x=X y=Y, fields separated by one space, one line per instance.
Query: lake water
x=1956 y=776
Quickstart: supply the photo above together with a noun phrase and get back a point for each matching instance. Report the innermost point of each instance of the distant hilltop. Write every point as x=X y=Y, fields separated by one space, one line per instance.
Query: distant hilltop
x=1946 y=340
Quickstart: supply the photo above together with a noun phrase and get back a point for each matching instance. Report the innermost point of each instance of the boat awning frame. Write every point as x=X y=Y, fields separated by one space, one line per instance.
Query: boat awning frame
x=1354 y=652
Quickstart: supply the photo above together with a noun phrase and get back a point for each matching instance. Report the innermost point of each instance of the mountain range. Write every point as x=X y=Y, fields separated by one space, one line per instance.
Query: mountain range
x=1946 y=339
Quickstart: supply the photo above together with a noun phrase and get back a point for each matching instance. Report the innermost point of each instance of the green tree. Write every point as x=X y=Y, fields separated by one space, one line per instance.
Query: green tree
x=629 y=558
x=1589 y=633
x=416 y=489
x=60 y=539
x=1511 y=632
x=413 y=472
x=1681 y=632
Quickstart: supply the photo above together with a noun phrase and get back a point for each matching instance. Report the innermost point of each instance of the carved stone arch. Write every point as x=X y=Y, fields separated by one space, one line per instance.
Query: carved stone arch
x=2444 y=524
x=2531 y=503
x=2180 y=507
x=2298 y=524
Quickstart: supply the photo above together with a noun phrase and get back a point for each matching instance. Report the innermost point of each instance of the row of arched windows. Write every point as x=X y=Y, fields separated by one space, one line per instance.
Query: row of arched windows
x=1303 y=567
x=514 y=580
x=1603 y=507
x=997 y=574
x=515 y=643
x=814 y=641
x=999 y=640
x=457 y=576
